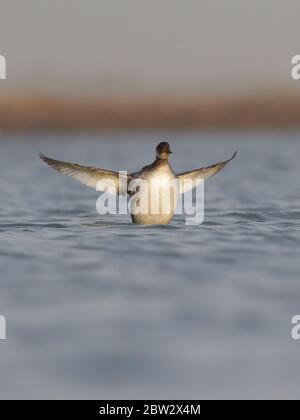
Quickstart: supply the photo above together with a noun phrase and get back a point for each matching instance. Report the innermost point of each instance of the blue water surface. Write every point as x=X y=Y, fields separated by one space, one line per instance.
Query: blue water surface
x=99 y=308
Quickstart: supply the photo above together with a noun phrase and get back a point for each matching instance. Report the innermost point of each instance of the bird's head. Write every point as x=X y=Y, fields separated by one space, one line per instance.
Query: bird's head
x=163 y=150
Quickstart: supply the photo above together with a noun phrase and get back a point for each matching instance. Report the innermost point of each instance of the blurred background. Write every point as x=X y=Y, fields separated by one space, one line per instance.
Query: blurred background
x=138 y=64
x=96 y=307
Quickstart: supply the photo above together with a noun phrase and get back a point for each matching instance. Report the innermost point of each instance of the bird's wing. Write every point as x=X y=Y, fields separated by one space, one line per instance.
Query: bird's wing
x=189 y=180
x=88 y=175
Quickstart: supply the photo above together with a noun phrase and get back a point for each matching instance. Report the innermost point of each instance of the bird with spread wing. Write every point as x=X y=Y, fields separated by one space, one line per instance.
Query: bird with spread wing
x=159 y=171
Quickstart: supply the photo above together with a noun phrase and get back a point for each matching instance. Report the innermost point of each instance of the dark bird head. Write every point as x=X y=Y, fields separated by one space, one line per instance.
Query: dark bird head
x=163 y=150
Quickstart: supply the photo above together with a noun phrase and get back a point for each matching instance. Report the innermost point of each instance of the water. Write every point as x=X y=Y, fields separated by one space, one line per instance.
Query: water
x=99 y=308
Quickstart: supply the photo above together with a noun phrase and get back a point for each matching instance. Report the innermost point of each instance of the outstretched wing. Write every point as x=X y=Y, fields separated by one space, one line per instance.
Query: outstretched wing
x=88 y=175
x=189 y=180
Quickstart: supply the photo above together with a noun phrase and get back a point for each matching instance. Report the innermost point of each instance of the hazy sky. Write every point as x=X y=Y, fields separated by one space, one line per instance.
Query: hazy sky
x=148 y=46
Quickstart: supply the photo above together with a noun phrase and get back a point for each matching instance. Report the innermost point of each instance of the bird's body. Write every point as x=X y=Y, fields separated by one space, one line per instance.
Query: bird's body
x=153 y=190
x=159 y=194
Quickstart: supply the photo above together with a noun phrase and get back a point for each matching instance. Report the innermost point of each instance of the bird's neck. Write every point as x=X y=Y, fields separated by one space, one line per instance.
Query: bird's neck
x=161 y=163
x=160 y=159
